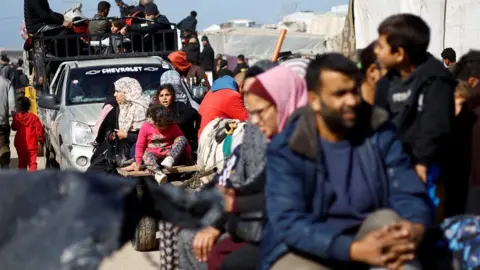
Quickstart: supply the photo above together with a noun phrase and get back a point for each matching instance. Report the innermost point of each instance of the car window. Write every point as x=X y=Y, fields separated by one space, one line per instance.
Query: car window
x=95 y=84
x=58 y=90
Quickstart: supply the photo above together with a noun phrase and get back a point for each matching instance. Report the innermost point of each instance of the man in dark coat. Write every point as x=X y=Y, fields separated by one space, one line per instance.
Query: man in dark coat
x=40 y=18
x=100 y=24
x=190 y=22
x=468 y=69
x=208 y=55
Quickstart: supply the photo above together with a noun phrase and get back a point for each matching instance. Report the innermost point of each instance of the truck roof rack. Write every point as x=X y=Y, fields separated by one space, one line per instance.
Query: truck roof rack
x=101 y=46
x=50 y=51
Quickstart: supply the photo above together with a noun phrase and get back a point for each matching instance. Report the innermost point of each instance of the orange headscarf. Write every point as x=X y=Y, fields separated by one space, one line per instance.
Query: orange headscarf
x=179 y=60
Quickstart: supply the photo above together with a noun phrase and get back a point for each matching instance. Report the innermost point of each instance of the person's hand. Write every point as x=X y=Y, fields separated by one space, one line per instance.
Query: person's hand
x=203 y=242
x=121 y=134
x=123 y=31
x=380 y=248
x=421 y=171
x=134 y=167
x=67 y=24
x=411 y=231
x=229 y=197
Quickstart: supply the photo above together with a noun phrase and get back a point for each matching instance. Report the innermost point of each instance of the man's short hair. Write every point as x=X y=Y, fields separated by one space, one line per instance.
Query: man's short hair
x=241 y=57
x=468 y=66
x=103 y=6
x=333 y=62
x=23 y=104
x=193 y=13
x=450 y=55
x=409 y=32
x=367 y=57
x=225 y=72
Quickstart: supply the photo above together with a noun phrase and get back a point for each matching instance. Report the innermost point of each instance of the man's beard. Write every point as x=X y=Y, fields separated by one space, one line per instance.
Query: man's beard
x=334 y=120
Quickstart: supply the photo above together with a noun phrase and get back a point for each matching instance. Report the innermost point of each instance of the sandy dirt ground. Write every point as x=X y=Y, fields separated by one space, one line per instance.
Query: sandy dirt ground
x=126 y=258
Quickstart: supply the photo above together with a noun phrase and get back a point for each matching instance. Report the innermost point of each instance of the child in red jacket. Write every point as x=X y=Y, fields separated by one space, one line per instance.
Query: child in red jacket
x=29 y=133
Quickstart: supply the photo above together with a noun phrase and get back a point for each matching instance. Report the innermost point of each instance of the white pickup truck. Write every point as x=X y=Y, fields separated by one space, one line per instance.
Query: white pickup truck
x=77 y=94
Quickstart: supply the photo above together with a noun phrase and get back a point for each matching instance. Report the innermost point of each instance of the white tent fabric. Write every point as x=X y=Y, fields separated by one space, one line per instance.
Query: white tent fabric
x=260 y=43
x=462 y=31
x=370 y=13
x=453 y=23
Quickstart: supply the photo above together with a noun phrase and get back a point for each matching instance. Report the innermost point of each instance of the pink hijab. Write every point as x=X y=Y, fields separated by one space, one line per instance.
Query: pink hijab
x=287 y=89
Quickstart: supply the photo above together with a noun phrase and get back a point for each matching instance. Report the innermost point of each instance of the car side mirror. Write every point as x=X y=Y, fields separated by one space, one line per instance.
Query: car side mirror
x=47 y=102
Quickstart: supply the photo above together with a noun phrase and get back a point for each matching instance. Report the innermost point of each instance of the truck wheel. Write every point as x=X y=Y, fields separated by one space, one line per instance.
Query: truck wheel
x=145 y=238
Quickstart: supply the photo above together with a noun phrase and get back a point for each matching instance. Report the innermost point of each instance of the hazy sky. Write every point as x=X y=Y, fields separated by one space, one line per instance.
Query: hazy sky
x=209 y=12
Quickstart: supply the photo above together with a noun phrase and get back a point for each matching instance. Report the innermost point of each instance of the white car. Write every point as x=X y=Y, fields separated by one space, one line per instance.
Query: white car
x=77 y=94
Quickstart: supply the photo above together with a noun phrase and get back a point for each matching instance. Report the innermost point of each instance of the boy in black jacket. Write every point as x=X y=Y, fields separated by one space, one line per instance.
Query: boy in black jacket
x=417 y=92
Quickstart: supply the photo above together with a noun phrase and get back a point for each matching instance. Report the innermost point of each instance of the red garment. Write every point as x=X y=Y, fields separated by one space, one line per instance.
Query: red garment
x=179 y=60
x=220 y=251
x=29 y=133
x=27 y=159
x=225 y=103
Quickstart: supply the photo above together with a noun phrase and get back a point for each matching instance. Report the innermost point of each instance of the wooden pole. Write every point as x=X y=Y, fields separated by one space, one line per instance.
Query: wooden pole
x=281 y=38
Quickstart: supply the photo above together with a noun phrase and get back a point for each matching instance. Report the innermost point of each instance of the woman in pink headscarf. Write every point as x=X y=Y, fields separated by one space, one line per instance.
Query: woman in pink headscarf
x=271 y=100
x=273 y=97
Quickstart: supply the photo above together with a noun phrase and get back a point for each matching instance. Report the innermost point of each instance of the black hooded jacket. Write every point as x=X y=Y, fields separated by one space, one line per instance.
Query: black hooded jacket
x=207 y=57
x=422 y=107
x=37 y=13
x=189 y=23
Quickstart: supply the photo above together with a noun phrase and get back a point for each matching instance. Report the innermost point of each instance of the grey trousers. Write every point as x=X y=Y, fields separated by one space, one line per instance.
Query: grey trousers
x=375 y=221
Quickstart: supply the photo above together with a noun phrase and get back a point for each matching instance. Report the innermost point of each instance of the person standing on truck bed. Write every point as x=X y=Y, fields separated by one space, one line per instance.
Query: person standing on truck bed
x=39 y=18
x=99 y=24
x=7 y=106
x=190 y=22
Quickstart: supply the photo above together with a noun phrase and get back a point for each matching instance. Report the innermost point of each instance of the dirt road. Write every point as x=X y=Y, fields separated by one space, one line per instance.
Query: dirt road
x=125 y=259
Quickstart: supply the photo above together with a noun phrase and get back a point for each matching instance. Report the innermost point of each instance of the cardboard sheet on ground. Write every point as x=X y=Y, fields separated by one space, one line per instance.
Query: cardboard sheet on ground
x=63 y=220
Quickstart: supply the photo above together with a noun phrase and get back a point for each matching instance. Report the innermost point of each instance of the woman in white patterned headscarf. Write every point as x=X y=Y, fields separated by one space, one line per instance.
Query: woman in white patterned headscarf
x=133 y=106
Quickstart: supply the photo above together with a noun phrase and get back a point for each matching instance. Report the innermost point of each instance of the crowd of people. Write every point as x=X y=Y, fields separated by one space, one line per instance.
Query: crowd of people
x=341 y=165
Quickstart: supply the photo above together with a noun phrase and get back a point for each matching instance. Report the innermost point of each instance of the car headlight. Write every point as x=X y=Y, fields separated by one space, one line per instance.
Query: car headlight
x=82 y=134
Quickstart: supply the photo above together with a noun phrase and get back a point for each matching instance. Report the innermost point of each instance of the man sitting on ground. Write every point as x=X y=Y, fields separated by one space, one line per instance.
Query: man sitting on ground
x=341 y=193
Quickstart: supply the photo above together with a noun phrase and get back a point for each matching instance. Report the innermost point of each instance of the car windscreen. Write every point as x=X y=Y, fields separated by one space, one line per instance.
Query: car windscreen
x=95 y=84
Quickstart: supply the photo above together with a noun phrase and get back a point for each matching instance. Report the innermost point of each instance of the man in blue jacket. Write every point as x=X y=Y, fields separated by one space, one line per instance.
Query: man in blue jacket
x=341 y=193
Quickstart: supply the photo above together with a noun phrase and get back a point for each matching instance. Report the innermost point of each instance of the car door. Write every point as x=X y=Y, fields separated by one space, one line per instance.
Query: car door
x=56 y=115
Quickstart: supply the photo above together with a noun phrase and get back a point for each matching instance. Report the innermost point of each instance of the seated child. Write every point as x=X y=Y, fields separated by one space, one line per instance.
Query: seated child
x=117 y=40
x=29 y=134
x=160 y=139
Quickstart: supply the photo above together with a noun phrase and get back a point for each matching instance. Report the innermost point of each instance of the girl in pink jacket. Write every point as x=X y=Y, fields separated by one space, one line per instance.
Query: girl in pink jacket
x=161 y=140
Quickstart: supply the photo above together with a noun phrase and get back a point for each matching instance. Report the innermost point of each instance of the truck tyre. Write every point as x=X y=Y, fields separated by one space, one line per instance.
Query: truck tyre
x=145 y=238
